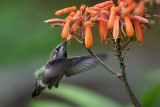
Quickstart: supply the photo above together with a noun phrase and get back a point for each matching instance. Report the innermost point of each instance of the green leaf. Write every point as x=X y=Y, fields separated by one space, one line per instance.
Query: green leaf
x=129 y=105
x=47 y=103
x=82 y=97
x=121 y=36
x=134 y=38
x=151 y=96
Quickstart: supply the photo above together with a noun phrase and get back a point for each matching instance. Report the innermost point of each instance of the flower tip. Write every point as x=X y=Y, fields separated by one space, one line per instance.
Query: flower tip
x=140 y=44
x=88 y=47
x=83 y=6
x=58 y=13
x=106 y=42
x=113 y=8
x=63 y=37
x=115 y=40
x=88 y=23
x=46 y=21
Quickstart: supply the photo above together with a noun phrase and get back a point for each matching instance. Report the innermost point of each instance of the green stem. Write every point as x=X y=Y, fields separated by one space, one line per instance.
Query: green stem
x=126 y=44
x=130 y=93
x=124 y=79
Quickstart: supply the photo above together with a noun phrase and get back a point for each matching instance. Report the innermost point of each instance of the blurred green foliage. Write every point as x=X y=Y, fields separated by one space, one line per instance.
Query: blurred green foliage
x=151 y=97
x=47 y=103
x=78 y=96
x=23 y=32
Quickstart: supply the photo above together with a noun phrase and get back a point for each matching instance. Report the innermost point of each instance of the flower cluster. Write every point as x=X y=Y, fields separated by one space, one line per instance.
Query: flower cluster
x=128 y=19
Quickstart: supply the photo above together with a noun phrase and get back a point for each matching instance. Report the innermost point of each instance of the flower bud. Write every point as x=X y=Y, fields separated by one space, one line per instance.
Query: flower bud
x=88 y=34
x=102 y=28
x=103 y=4
x=66 y=27
x=112 y=17
x=138 y=30
x=116 y=28
x=129 y=26
x=65 y=10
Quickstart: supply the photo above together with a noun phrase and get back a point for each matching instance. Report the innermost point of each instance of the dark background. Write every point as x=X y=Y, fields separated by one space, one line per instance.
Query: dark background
x=26 y=43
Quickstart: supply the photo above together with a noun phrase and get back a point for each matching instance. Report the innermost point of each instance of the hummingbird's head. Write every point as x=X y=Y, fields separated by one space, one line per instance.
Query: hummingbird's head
x=60 y=51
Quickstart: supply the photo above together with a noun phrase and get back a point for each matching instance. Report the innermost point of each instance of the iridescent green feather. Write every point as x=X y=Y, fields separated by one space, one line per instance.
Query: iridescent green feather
x=38 y=72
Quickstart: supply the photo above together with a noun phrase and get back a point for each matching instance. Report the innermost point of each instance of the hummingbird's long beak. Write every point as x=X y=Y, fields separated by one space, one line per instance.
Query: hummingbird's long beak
x=64 y=45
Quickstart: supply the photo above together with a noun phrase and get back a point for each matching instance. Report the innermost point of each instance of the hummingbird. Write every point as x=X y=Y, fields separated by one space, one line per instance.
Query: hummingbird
x=50 y=74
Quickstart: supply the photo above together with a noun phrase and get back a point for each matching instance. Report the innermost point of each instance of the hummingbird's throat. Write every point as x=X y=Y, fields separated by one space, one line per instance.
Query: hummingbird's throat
x=42 y=84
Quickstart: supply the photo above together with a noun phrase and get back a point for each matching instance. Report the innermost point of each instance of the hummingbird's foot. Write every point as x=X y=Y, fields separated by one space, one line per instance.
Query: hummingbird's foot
x=49 y=86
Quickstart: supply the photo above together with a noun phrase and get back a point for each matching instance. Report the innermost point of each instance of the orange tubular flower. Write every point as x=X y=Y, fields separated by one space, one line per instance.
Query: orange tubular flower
x=70 y=15
x=92 y=12
x=66 y=27
x=65 y=10
x=102 y=28
x=55 y=20
x=74 y=28
x=116 y=28
x=112 y=17
x=129 y=26
x=70 y=37
x=94 y=8
x=88 y=35
x=140 y=18
x=156 y=1
x=107 y=7
x=138 y=30
x=128 y=9
x=77 y=15
x=143 y=27
x=127 y=18
x=103 y=4
x=141 y=13
x=83 y=6
x=105 y=11
x=140 y=7
x=127 y=2
x=99 y=20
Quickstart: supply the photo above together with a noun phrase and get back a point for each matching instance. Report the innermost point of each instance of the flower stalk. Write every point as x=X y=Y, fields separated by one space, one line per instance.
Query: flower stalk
x=123 y=78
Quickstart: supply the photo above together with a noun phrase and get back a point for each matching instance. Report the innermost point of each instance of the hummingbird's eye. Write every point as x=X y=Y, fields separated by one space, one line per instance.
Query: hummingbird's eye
x=57 y=49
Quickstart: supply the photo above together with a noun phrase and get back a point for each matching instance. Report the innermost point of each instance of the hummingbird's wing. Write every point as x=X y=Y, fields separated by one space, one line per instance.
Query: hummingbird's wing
x=81 y=63
x=55 y=68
